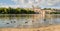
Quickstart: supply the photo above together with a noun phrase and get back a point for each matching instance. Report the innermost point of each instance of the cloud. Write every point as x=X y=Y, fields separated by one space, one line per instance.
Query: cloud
x=2 y=3
x=37 y=2
x=5 y=5
x=29 y=3
x=26 y=1
x=52 y=2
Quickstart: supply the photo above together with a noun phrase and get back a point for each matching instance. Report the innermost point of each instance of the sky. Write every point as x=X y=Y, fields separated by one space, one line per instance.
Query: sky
x=29 y=3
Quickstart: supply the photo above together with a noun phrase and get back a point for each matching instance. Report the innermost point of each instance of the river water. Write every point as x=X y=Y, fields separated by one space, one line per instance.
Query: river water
x=28 y=20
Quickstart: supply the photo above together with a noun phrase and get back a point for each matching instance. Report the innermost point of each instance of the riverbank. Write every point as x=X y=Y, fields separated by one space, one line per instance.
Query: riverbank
x=55 y=13
x=16 y=11
x=49 y=28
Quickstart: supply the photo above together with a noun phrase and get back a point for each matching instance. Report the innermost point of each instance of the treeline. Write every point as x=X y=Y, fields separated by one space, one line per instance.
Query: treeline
x=47 y=8
x=55 y=13
x=15 y=11
x=50 y=9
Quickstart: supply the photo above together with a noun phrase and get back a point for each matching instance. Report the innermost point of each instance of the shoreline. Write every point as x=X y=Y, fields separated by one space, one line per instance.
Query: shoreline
x=49 y=28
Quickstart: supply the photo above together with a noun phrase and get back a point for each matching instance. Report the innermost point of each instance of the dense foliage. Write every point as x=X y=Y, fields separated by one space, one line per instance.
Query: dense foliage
x=55 y=13
x=47 y=8
x=15 y=11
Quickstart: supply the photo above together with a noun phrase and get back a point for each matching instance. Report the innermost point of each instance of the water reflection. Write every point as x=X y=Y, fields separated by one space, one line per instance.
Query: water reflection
x=28 y=20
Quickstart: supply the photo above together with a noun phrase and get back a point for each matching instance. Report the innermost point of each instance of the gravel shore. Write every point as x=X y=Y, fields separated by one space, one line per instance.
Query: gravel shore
x=48 y=28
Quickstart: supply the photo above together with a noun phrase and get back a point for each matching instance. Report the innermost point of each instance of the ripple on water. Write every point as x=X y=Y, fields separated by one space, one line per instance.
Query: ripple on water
x=29 y=22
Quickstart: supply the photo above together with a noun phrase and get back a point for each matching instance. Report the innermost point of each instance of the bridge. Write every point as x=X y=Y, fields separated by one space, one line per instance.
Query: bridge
x=42 y=13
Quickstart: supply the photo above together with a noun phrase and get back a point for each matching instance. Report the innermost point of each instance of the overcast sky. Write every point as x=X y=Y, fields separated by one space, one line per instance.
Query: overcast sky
x=29 y=3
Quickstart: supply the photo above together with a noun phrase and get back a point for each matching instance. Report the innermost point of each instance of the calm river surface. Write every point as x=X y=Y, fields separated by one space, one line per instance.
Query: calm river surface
x=28 y=20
